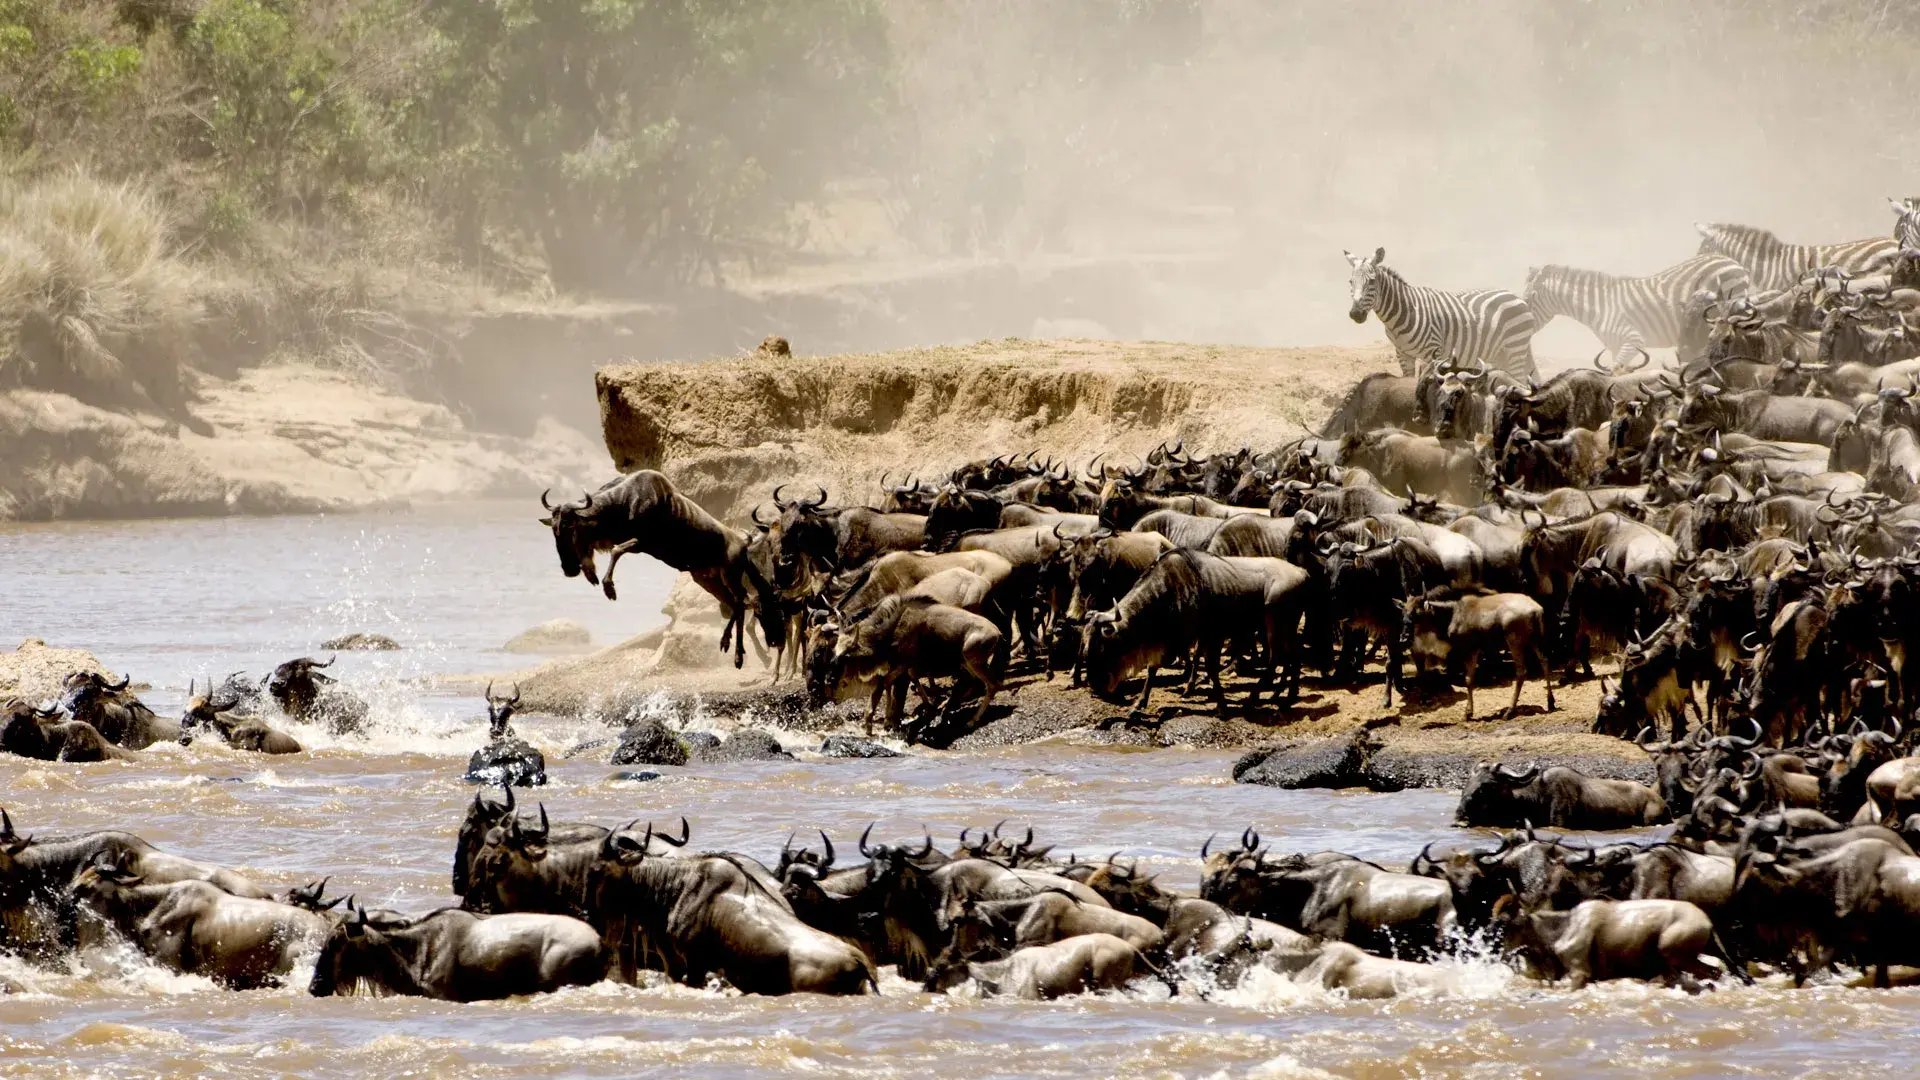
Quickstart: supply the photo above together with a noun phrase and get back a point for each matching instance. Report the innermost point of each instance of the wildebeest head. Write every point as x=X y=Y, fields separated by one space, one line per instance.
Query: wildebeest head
x=804 y=530
x=572 y=525
x=312 y=896
x=1363 y=284
x=12 y=887
x=500 y=713
x=204 y=708
x=86 y=691
x=350 y=958
x=482 y=816
x=957 y=510
x=296 y=684
x=1491 y=791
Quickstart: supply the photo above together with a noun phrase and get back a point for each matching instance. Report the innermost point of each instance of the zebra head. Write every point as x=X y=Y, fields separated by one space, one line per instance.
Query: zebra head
x=1364 y=284
x=1731 y=241
x=1906 y=228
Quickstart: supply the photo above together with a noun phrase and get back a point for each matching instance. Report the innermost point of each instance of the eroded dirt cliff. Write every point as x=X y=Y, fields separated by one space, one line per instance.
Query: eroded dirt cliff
x=726 y=431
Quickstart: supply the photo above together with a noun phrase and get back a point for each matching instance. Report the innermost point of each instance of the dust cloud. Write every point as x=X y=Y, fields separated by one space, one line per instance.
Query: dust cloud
x=1219 y=155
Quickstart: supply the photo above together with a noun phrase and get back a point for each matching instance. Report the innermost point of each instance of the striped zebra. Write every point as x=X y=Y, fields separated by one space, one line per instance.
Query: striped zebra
x=1906 y=228
x=1773 y=264
x=1427 y=326
x=1661 y=310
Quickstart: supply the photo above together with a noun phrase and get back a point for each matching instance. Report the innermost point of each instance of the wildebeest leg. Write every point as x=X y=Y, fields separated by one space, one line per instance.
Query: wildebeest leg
x=613 y=558
x=1393 y=667
x=1211 y=651
x=1146 y=687
x=896 y=704
x=1546 y=674
x=1470 y=668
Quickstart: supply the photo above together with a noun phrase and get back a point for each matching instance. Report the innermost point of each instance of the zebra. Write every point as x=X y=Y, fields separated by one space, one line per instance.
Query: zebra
x=1429 y=326
x=1660 y=310
x=1773 y=264
x=1906 y=228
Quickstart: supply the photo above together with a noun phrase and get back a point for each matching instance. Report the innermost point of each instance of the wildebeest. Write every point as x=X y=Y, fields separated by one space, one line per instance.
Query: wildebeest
x=1337 y=897
x=309 y=696
x=1558 y=796
x=713 y=915
x=1616 y=939
x=836 y=538
x=507 y=759
x=905 y=639
x=456 y=955
x=37 y=732
x=1075 y=965
x=208 y=711
x=198 y=929
x=1189 y=600
x=37 y=914
x=121 y=718
x=643 y=512
x=1445 y=626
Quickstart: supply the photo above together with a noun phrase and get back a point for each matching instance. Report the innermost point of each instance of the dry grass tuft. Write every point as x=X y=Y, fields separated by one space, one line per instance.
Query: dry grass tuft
x=86 y=266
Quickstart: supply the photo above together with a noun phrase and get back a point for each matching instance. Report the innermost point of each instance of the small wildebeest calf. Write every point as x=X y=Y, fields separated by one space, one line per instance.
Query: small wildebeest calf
x=1443 y=622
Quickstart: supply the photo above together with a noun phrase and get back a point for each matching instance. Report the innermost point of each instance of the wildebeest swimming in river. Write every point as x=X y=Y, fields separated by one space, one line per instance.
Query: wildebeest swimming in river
x=642 y=512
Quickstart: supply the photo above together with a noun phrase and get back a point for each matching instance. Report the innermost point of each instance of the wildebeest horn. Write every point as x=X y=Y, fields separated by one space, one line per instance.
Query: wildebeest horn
x=507 y=789
x=125 y=681
x=777 y=500
x=1744 y=744
x=6 y=825
x=546 y=505
x=755 y=515
x=686 y=832
x=544 y=827
x=1522 y=777
x=1249 y=839
x=827 y=844
x=1203 y=847
x=818 y=501
x=868 y=831
x=1425 y=856
x=1608 y=368
x=926 y=848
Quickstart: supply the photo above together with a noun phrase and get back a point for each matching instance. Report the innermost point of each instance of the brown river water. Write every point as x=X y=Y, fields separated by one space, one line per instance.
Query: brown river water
x=172 y=600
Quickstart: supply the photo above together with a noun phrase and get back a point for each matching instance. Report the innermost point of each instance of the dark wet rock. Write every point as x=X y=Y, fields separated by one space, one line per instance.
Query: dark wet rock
x=851 y=746
x=1341 y=762
x=648 y=742
x=638 y=776
x=1432 y=769
x=747 y=744
x=361 y=643
x=507 y=762
x=699 y=740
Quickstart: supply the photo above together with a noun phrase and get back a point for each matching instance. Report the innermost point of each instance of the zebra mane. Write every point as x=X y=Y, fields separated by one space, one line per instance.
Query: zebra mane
x=1555 y=274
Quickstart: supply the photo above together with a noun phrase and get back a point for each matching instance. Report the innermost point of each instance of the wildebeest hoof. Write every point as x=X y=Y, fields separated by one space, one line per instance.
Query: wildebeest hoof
x=607 y=587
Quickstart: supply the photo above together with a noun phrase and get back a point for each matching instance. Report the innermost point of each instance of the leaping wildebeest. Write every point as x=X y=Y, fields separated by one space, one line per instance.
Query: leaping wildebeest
x=642 y=512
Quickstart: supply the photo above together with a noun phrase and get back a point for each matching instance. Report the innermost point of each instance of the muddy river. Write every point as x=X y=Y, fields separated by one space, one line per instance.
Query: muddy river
x=168 y=601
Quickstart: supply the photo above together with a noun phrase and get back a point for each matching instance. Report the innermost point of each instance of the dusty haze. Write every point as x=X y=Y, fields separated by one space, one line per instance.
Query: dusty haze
x=1232 y=149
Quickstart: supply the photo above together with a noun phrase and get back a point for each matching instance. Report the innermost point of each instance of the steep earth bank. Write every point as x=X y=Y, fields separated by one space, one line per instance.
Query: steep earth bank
x=727 y=431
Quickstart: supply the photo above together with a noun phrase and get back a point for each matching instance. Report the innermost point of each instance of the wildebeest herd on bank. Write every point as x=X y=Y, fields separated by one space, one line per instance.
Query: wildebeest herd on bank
x=1736 y=530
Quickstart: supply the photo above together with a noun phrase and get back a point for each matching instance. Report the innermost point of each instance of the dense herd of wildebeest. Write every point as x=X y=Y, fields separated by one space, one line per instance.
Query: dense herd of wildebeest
x=1737 y=529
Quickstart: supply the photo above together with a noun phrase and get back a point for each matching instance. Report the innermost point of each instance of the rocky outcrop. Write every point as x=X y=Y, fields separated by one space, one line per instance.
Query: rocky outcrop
x=1340 y=762
x=361 y=642
x=746 y=744
x=649 y=742
x=35 y=671
x=726 y=431
x=551 y=637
